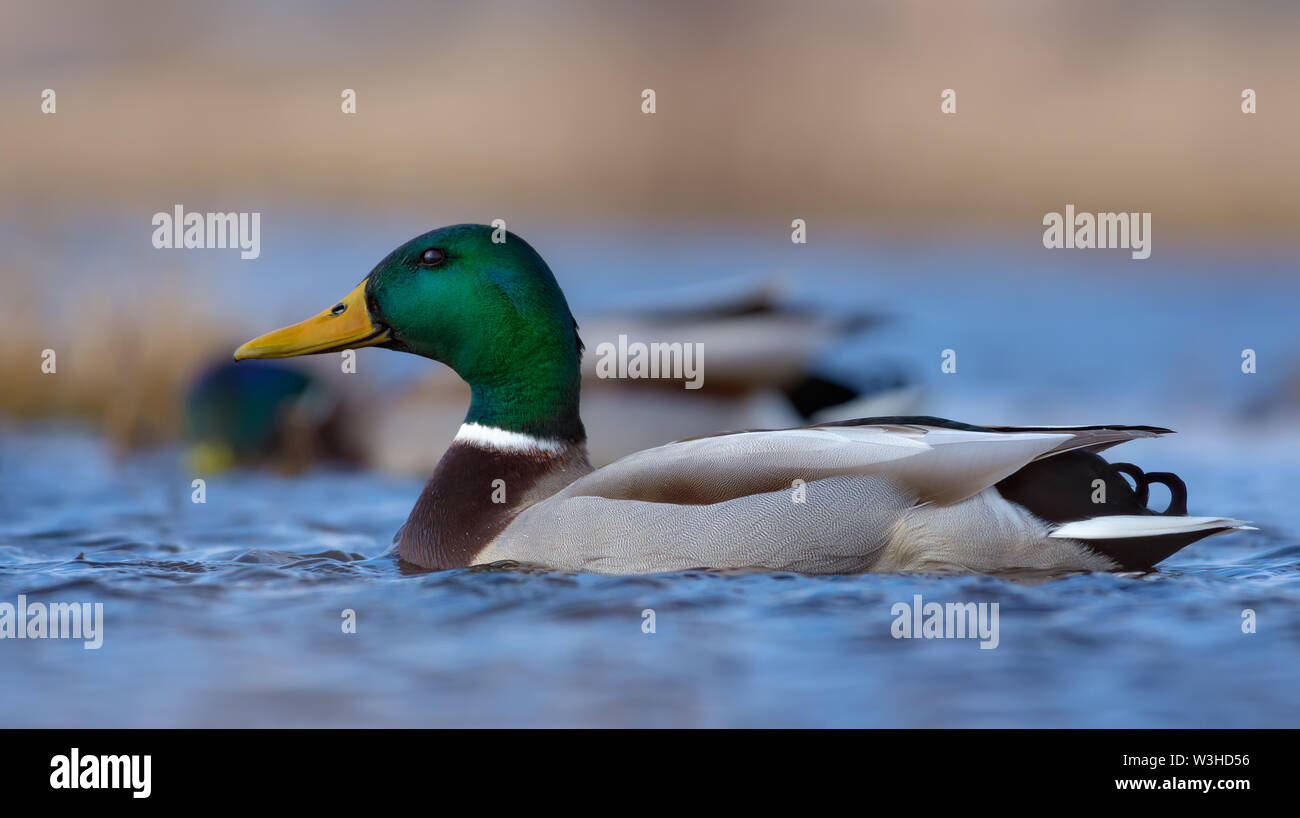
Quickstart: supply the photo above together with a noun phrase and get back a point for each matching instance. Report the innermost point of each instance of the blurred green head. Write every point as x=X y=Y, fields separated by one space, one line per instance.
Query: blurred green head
x=239 y=415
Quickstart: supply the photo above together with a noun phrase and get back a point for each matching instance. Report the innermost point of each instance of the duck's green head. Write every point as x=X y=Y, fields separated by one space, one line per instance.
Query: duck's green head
x=478 y=299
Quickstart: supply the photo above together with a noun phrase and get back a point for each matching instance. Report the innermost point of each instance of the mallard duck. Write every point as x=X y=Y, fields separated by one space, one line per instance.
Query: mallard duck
x=265 y=414
x=873 y=494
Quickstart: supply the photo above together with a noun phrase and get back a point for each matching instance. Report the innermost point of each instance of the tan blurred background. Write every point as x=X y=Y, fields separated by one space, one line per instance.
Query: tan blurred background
x=826 y=110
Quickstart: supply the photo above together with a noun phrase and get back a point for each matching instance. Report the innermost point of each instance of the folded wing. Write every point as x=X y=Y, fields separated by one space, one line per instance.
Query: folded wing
x=936 y=461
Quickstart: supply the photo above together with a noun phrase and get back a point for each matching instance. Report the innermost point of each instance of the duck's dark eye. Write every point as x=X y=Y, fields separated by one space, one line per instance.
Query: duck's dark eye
x=432 y=257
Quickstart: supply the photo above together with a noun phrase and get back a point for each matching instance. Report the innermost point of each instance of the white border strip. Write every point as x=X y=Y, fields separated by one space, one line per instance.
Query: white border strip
x=502 y=440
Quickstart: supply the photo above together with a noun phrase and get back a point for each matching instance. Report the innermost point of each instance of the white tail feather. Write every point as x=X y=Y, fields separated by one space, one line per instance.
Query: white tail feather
x=1120 y=526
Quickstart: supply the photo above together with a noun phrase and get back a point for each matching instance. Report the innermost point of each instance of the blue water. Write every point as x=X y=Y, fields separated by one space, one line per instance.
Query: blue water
x=228 y=613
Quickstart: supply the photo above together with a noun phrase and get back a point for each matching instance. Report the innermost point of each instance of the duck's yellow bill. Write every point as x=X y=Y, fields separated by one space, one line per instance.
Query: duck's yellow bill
x=346 y=325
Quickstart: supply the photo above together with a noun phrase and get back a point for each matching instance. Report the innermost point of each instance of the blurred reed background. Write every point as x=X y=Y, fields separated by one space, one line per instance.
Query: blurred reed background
x=827 y=111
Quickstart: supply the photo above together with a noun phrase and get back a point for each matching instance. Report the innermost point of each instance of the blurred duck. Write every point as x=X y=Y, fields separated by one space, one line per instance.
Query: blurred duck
x=760 y=370
x=267 y=415
x=872 y=494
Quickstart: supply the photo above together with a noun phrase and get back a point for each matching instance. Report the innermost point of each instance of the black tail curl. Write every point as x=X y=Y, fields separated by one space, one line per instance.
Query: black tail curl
x=1142 y=482
x=1062 y=488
